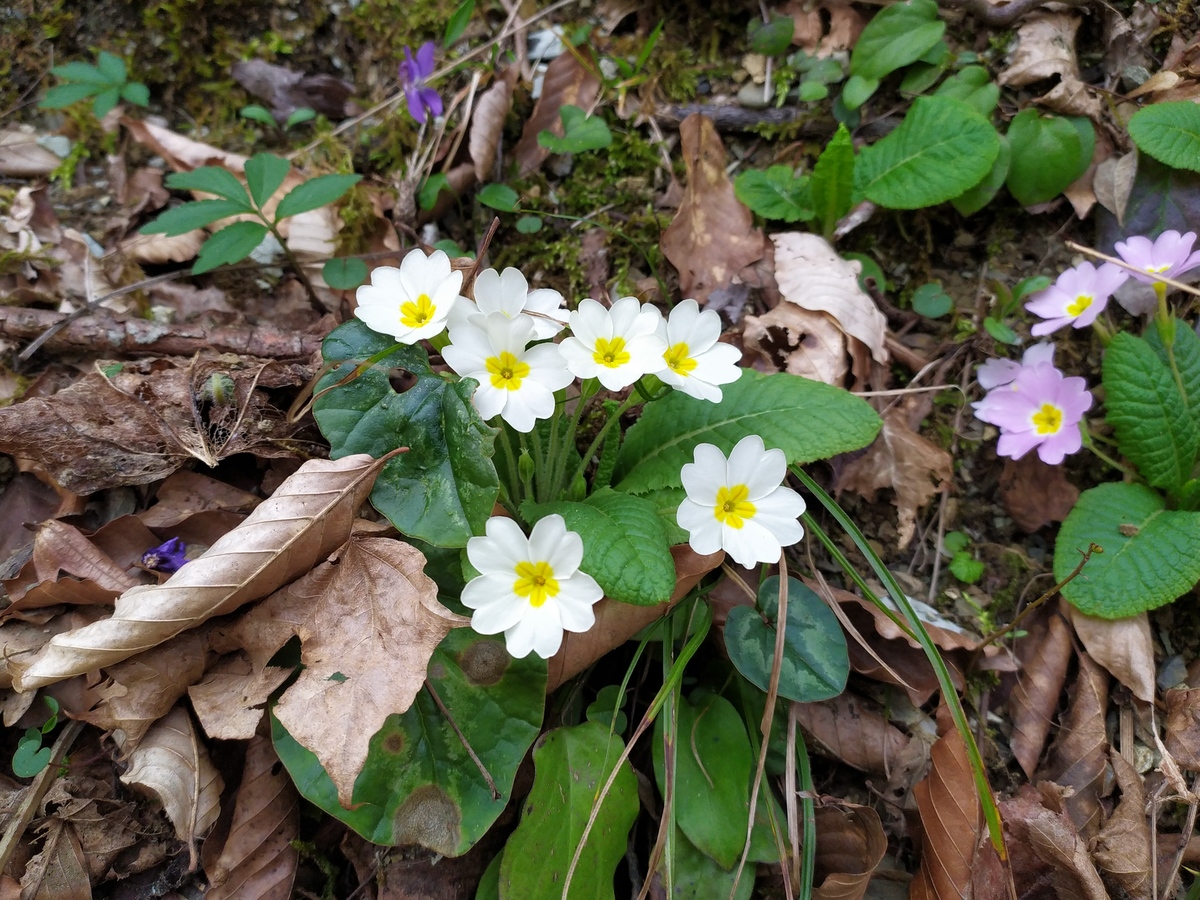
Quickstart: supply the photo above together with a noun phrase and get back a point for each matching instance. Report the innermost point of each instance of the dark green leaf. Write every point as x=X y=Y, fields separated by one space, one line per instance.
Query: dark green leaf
x=344 y=274
x=581 y=132
x=498 y=196
x=832 y=184
x=931 y=301
x=136 y=93
x=231 y=244
x=776 y=193
x=921 y=76
x=772 y=38
x=210 y=180
x=65 y=94
x=698 y=877
x=457 y=23
x=1001 y=331
x=257 y=113
x=315 y=193
x=1187 y=362
x=190 y=216
x=430 y=188
x=264 y=174
x=974 y=87
x=105 y=102
x=31 y=757
x=898 y=35
x=81 y=73
x=111 y=67
x=529 y=224
x=976 y=198
x=1048 y=153
x=1170 y=132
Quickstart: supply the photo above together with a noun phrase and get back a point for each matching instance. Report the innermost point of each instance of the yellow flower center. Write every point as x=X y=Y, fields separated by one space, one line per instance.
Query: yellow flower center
x=536 y=582
x=610 y=353
x=1048 y=419
x=507 y=371
x=733 y=507
x=418 y=313
x=1082 y=302
x=1157 y=270
x=678 y=360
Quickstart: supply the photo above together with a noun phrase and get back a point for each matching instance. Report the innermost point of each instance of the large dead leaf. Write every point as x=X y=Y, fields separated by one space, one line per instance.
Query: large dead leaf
x=1044 y=653
x=901 y=459
x=368 y=620
x=487 y=123
x=712 y=236
x=21 y=640
x=1122 y=848
x=308 y=517
x=104 y=822
x=286 y=90
x=852 y=730
x=1183 y=726
x=1046 y=48
x=141 y=423
x=173 y=764
x=59 y=871
x=1049 y=858
x=810 y=32
x=791 y=339
x=1080 y=755
x=567 y=83
x=257 y=860
x=231 y=699
x=1034 y=493
x=1122 y=646
x=950 y=821
x=21 y=156
x=850 y=846
x=187 y=493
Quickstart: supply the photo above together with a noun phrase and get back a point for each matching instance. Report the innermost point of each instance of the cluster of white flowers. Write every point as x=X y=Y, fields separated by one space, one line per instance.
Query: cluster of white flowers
x=531 y=589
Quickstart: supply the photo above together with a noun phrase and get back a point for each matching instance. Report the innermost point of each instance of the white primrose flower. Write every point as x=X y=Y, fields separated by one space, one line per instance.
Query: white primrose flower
x=412 y=302
x=530 y=588
x=697 y=362
x=515 y=382
x=738 y=504
x=618 y=345
x=508 y=292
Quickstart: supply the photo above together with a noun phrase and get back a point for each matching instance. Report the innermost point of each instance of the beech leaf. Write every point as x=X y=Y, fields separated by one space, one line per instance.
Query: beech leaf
x=307 y=518
x=568 y=82
x=487 y=124
x=949 y=807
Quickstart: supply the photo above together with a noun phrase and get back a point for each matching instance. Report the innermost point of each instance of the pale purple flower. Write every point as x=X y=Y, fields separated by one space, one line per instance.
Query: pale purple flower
x=1076 y=298
x=413 y=73
x=167 y=557
x=1170 y=255
x=1042 y=409
x=998 y=372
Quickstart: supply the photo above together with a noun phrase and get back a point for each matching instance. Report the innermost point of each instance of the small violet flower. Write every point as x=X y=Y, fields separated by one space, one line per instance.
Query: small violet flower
x=167 y=557
x=1040 y=408
x=413 y=73
x=1076 y=298
x=618 y=345
x=508 y=292
x=697 y=361
x=998 y=372
x=1169 y=255
x=412 y=302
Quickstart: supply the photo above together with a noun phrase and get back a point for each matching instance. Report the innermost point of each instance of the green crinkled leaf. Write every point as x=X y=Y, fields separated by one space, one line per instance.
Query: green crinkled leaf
x=1153 y=424
x=1151 y=554
x=775 y=193
x=974 y=87
x=314 y=193
x=1186 y=349
x=231 y=244
x=1048 y=153
x=419 y=785
x=625 y=545
x=816 y=662
x=441 y=491
x=1170 y=132
x=832 y=184
x=581 y=132
x=713 y=767
x=898 y=35
x=570 y=767
x=805 y=419
x=941 y=149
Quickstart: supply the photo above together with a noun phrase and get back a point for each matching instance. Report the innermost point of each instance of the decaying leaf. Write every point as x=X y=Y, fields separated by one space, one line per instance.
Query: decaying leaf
x=1080 y=755
x=232 y=697
x=567 y=82
x=368 y=620
x=104 y=822
x=1045 y=48
x=187 y=493
x=308 y=517
x=901 y=459
x=810 y=33
x=1049 y=858
x=59 y=871
x=143 y=422
x=950 y=821
x=21 y=156
x=487 y=123
x=852 y=730
x=257 y=860
x=850 y=846
x=285 y=90
x=791 y=339
x=1035 y=494
x=21 y=640
x=1122 y=646
x=1183 y=726
x=1122 y=848
x=159 y=249
x=1044 y=653
x=1113 y=183
x=712 y=236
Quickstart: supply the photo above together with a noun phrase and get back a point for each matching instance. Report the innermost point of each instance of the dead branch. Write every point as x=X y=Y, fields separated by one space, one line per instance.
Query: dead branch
x=1000 y=16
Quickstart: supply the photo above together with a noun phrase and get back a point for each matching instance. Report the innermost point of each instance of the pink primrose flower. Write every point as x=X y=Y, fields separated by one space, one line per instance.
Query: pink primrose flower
x=1076 y=298
x=1042 y=408
x=998 y=372
x=1169 y=255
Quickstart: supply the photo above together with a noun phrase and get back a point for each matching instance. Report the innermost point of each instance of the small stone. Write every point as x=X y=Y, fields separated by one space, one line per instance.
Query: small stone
x=58 y=144
x=752 y=96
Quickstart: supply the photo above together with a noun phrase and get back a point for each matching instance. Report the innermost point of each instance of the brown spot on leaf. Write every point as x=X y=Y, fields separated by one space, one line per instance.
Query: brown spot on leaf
x=429 y=818
x=484 y=662
x=394 y=742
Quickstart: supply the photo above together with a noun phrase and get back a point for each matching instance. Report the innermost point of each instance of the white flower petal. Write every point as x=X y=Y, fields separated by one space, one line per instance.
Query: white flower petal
x=501 y=549
x=540 y=631
x=575 y=614
x=590 y=322
x=704 y=531
x=750 y=544
x=498 y=615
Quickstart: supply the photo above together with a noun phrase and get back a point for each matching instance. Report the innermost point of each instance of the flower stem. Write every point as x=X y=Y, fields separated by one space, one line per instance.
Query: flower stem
x=1090 y=443
x=313 y=300
x=588 y=388
x=599 y=438
x=1103 y=332
x=514 y=480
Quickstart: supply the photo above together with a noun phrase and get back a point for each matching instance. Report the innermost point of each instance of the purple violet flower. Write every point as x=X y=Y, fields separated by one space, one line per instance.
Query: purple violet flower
x=1042 y=409
x=167 y=557
x=998 y=372
x=1076 y=298
x=413 y=73
x=1169 y=255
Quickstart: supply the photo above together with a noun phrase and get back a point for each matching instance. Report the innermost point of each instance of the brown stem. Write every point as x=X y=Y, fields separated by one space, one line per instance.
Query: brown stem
x=313 y=299
x=487 y=776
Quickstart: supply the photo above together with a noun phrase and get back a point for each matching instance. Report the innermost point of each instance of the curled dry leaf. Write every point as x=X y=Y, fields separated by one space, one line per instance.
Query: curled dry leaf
x=712 y=237
x=21 y=640
x=1049 y=858
x=59 y=871
x=368 y=620
x=568 y=82
x=1183 y=726
x=950 y=822
x=1046 y=48
x=850 y=729
x=1122 y=848
x=65 y=567
x=1122 y=646
x=791 y=339
x=1034 y=493
x=487 y=123
x=231 y=699
x=256 y=860
x=850 y=846
x=1080 y=755
x=308 y=517
x=158 y=249
x=1044 y=654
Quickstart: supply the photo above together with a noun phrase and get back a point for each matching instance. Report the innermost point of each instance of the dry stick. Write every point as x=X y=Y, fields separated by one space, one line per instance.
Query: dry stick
x=463 y=738
x=1178 y=285
x=469 y=278
x=789 y=789
x=768 y=720
x=1188 y=825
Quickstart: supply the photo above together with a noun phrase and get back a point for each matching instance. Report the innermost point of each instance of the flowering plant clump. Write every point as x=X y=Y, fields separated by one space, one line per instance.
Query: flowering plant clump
x=412 y=302
x=1076 y=298
x=1040 y=408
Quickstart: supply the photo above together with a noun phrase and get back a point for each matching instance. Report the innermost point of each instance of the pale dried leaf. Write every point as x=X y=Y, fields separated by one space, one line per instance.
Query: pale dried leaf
x=104 y=823
x=850 y=846
x=22 y=639
x=1183 y=726
x=792 y=339
x=181 y=153
x=567 y=83
x=850 y=729
x=487 y=123
x=1045 y=47
x=173 y=764
x=59 y=871
x=1159 y=81
x=1122 y=848
x=231 y=699
x=22 y=157
x=1080 y=755
x=712 y=237
x=304 y=521
x=950 y=820
x=1048 y=855
x=1122 y=646
x=1114 y=183
x=257 y=860
x=1035 y=494
x=1044 y=653
x=187 y=493
x=157 y=249
x=65 y=567
x=1072 y=97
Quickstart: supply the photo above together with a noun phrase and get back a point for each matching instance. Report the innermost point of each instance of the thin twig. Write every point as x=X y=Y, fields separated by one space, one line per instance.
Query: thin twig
x=1188 y=826
x=1178 y=285
x=487 y=776
x=36 y=791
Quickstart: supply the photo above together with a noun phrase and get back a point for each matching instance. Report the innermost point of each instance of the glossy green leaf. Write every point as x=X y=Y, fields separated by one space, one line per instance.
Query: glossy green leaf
x=1151 y=554
x=625 y=546
x=30 y=756
x=136 y=93
x=430 y=188
x=498 y=196
x=458 y=21
x=974 y=87
x=1170 y=132
x=898 y=35
x=191 y=216
x=344 y=274
x=419 y=784
x=832 y=183
x=806 y=419
x=942 y=148
x=210 y=180
x=63 y=95
x=776 y=193
x=264 y=174
x=581 y=132
x=1154 y=426
x=976 y=198
x=231 y=244
x=815 y=663
x=570 y=766
x=772 y=38
x=442 y=490
x=314 y=193
x=1048 y=153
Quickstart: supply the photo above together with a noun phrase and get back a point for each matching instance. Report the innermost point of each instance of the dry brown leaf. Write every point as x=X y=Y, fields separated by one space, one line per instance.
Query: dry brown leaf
x=712 y=236
x=1122 y=646
x=1183 y=726
x=567 y=83
x=901 y=459
x=1122 y=848
x=59 y=871
x=1034 y=493
x=104 y=823
x=25 y=502
x=1044 y=653
x=22 y=157
x=285 y=90
x=22 y=639
x=487 y=123
x=158 y=249
x=230 y=700
x=792 y=339
x=850 y=729
x=65 y=568
x=257 y=860
x=307 y=517
x=850 y=846
x=368 y=620
x=1080 y=755
x=186 y=493
x=142 y=423
x=809 y=32
x=1114 y=183
x=1045 y=48
x=1160 y=81
x=173 y=764
x=1049 y=858
x=950 y=821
